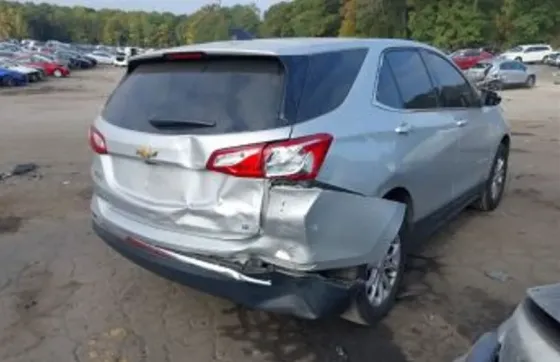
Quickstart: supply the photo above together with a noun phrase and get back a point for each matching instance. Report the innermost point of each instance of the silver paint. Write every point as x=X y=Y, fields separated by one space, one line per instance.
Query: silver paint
x=177 y=204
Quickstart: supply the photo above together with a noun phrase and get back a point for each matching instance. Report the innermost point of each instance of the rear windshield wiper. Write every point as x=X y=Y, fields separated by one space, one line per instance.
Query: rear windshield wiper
x=179 y=123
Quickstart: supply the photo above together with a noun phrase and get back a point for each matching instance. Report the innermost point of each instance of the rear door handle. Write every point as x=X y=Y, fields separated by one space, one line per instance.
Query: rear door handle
x=404 y=128
x=461 y=122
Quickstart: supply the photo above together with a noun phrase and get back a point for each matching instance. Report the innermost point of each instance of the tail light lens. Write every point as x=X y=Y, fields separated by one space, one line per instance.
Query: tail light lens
x=97 y=141
x=297 y=159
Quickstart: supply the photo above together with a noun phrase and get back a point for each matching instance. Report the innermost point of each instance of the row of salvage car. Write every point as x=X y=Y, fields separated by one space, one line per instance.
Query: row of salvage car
x=20 y=66
x=506 y=70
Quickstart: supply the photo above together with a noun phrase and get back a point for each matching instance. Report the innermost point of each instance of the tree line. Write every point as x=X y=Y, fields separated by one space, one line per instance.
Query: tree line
x=443 y=23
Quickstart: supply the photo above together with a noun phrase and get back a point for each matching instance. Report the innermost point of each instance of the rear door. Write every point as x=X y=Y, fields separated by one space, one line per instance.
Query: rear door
x=507 y=73
x=162 y=124
x=519 y=72
x=462 y=103
x=532 y=54
x=426 y=139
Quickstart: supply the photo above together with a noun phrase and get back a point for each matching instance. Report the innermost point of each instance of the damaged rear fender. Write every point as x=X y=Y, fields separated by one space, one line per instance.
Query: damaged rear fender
x=316 y=229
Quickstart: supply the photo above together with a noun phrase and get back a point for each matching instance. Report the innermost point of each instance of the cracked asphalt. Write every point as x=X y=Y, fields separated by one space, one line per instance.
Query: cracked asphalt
x=65 y=296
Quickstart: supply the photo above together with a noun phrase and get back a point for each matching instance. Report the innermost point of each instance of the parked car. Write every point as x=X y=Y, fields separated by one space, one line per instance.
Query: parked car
x=58 y=59
x=506 y=73
x=92 y=60
x=466 y=58
x=530 y=53
x=84 y=62
x=102 y=57
x=12 y=78
x=214 y=166
x=490 y=49
x=531 y=333
x=33 y=75
x=550 y=59
x=48 y=64
x=121 y=60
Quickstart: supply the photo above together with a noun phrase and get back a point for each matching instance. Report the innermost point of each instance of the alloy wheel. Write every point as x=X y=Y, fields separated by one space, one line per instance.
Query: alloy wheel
x=498 y=178
x=381 y=279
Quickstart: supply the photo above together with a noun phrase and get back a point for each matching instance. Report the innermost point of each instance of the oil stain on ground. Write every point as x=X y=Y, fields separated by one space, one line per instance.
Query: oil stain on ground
x=279 y=338
x=10 y=224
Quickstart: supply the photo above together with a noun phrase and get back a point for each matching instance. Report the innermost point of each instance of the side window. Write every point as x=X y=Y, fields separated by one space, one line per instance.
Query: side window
x=330 y=77
x=412 y=79
x=387 y=92
x=453 y=88
x=506 y=66
x=518 y=66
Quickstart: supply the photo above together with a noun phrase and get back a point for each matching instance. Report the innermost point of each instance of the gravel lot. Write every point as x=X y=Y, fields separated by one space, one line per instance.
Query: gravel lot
x=65 y=296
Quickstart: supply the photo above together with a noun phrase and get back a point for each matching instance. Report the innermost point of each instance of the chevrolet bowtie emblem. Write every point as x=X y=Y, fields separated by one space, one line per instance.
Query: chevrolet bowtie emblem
x=147 y=153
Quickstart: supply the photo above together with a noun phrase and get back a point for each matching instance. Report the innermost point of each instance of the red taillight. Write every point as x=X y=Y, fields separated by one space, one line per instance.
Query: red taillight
x=296 y=159
x=97 y=141
x=184 y=56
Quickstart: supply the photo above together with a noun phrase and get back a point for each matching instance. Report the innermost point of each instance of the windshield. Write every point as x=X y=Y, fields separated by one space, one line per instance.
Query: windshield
x=516 y=50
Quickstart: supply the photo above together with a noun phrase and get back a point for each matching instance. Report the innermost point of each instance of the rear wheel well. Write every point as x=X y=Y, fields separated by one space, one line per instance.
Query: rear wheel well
x=400 y=194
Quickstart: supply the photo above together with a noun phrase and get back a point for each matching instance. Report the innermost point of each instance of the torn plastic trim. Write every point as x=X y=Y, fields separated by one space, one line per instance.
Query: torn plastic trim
x=308 y=296
x=228 y=272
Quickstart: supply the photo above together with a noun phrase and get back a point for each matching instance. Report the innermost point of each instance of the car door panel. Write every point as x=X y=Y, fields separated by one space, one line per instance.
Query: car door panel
x=461 y=103
x=423 y=140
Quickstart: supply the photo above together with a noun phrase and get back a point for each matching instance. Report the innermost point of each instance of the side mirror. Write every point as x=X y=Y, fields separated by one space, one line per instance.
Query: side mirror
x=491 y=98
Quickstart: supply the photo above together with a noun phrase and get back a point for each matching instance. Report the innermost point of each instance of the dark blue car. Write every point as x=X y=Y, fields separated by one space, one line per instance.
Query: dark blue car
x=11 y=78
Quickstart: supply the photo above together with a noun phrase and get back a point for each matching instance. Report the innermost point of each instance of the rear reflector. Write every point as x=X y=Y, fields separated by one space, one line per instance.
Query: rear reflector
x=184 y=56
x=97 y=141
x=297 y=159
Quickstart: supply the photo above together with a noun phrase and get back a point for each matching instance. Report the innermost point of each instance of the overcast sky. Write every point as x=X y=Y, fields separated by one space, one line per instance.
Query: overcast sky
x=175 y=6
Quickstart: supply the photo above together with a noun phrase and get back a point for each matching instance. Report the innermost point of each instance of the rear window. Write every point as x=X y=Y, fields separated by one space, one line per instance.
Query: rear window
x=232 y=94
x=235 y=95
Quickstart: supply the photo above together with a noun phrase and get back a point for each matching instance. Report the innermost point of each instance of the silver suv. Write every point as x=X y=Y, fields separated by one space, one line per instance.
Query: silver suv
x=291 y=175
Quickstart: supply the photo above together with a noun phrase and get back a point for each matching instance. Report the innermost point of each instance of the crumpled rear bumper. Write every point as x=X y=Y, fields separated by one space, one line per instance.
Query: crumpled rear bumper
x=302 y=229
x=308 y=296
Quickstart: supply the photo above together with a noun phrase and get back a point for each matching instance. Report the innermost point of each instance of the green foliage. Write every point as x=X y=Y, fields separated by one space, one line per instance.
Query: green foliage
x=444 y=23
x=348 y=14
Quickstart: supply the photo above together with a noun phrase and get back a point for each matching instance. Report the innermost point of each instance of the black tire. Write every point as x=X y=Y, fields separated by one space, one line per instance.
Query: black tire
x=361 y=310
x=490 y=200
x=9 y=82
x=530 y=82
x=519 y=59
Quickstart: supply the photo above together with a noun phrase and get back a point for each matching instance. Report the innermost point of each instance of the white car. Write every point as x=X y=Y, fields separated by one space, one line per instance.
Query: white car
x=529 y=53
x=121 y=60
x=33 y=75
x=102 y=57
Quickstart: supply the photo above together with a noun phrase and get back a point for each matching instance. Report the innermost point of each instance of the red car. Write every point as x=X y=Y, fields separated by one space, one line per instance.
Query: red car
x=50 y=67
x=467 y=58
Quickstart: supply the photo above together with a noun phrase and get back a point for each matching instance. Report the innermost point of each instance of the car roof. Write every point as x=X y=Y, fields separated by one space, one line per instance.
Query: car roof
x=287 y=46
x=533 y=45
x=498 y=61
